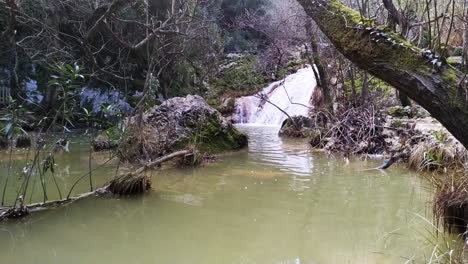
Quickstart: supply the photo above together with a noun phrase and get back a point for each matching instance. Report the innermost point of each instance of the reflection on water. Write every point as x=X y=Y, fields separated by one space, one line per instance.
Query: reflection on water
x=270 y=150
x=275 y=203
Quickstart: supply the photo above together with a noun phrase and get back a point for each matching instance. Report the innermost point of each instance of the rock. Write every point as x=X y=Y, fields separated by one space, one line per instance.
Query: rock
x=108 y=139
x=102 y=143
x=179 y=123
x=414 y=111
x=399 y=111
x=418 y=112
x=228 y=107
x=299 y=126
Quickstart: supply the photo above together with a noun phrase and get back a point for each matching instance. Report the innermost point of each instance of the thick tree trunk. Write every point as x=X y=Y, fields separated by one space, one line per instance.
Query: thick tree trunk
x=439 y=89
x=322 y=72
x=365 y=93
x=404 y=99
x=395 y=17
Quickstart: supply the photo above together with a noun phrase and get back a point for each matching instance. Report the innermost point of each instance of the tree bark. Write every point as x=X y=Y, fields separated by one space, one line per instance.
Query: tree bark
x=365 y=93
x=439 y=89
x=404 y=99
x=322 y=72
x=465 y=41
x=9 y=37
x=395 y=17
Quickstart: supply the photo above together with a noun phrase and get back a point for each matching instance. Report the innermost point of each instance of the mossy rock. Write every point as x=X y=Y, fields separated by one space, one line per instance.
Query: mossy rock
x=228 y=107
x=398 y=111
x=298 y=127
x=397 y=124
x=213 y=137
x=107 y=139
x=180 y=123
x=101 y=144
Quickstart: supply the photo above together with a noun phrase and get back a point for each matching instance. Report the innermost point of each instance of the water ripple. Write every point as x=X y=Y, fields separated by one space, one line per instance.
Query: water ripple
x=267 y=148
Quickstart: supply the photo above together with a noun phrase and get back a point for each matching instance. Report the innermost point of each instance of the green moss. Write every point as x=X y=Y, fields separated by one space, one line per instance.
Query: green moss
x=231 y=103
x=397 y=124
x=451 y=60
x=399 y=111
x=458 y=52
x=339 y=23
x=456 y=95
x=449 y=75
x=352 y=17
x=240 y=77
x=212 y=138
x=374 y=84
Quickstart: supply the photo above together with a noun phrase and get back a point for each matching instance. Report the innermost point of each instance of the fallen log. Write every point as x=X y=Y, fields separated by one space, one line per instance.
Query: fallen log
x=420 y=74
x=22 y=211
x=123 y=184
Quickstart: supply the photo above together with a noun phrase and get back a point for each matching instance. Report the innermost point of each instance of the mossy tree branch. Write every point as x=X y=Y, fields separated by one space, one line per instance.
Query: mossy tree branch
x=436 y=86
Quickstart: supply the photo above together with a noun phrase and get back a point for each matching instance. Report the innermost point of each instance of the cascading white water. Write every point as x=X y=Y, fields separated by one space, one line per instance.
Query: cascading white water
x=293 y=95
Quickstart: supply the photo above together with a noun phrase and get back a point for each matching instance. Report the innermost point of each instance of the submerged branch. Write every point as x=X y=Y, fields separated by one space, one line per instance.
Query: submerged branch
x=124 y=184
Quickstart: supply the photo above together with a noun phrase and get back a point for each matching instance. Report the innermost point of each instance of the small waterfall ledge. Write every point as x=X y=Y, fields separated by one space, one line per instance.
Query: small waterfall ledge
x=292 y=94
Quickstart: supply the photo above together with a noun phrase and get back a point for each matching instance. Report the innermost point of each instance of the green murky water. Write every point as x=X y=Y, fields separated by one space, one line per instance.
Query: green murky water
x=276 y=202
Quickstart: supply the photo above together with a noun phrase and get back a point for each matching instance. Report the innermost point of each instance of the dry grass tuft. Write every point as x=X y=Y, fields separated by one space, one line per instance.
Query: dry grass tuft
x=450 y=205
x=439 y=152
x=194 y=158
x=140 y=144
x=130 y=184
x=445 y=160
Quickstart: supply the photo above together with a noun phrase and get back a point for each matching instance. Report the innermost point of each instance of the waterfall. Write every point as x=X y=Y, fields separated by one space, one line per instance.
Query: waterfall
x=291 y=95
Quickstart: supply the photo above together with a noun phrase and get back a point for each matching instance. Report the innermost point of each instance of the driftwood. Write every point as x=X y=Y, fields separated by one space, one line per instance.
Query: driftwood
x=21 y=211
x=24 y=210
x=137 y=182
x=388 y=163
x=161 y=160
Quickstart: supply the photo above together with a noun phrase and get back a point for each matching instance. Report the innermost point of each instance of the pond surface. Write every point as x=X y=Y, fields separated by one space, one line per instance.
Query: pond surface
x=277 y=202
